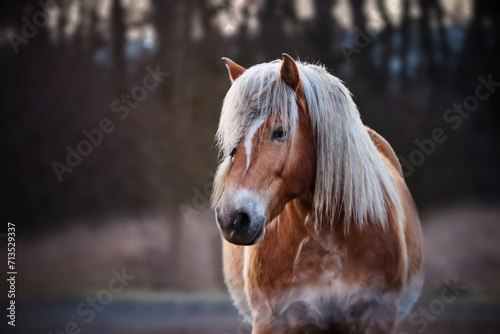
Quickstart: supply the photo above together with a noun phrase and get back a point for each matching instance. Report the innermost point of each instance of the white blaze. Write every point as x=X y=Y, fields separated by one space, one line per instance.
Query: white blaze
x=248 y=140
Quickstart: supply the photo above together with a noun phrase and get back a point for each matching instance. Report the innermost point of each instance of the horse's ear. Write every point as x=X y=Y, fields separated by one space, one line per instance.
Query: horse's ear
x=290 y=72
x=234 y=69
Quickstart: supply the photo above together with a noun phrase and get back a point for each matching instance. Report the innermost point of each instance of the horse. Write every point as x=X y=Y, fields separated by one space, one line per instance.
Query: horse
x=320 y=232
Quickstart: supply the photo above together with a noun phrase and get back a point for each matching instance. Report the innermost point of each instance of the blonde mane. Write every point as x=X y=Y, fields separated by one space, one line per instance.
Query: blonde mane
x=350 y=173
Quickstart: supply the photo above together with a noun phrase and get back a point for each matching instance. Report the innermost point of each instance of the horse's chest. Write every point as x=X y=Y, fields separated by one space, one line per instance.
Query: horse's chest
x=315 y=291
x=325 y=304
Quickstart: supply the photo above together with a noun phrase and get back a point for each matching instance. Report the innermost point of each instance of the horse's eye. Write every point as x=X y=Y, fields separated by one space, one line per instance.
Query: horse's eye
x=233 y=152
x=279 y=134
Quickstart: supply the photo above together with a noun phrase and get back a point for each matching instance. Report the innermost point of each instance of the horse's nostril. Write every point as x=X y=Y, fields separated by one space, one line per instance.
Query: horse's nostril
x=241 y=221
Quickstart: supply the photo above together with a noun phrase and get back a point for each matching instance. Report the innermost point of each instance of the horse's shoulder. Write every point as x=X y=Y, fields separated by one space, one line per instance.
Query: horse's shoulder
x=385 y=149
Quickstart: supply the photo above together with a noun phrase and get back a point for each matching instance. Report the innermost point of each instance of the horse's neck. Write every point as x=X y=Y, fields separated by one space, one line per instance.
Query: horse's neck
x=274 y=256
x=291 y=238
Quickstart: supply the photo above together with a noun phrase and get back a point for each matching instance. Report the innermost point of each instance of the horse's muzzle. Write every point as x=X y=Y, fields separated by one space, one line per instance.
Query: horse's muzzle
x=239 y=226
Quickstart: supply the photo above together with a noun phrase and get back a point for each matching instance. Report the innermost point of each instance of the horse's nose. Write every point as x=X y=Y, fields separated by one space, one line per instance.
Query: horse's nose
x=241 y=221
x=238 y=226
x=233 y=220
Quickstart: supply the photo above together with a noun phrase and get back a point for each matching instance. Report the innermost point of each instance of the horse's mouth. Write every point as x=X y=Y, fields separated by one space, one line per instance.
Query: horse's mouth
x=255 y=239
x=258 y=236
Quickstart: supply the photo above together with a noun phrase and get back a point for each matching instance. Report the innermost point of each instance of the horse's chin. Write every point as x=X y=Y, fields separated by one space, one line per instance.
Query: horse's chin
x=255 y=239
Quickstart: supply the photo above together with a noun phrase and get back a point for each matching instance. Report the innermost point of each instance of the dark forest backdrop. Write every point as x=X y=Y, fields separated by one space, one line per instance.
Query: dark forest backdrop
x=405 y=73
x=65 y=66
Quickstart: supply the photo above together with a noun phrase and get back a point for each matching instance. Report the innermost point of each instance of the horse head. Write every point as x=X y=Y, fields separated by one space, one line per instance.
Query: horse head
x=273 y=161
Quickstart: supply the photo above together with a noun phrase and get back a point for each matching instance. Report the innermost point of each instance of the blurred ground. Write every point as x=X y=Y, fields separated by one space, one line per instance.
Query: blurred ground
x=461 y=243
x=204 y=316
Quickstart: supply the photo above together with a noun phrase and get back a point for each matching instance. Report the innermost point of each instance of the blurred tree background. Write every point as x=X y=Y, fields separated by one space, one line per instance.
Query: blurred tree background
x=139 y=199
x=64 y=63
